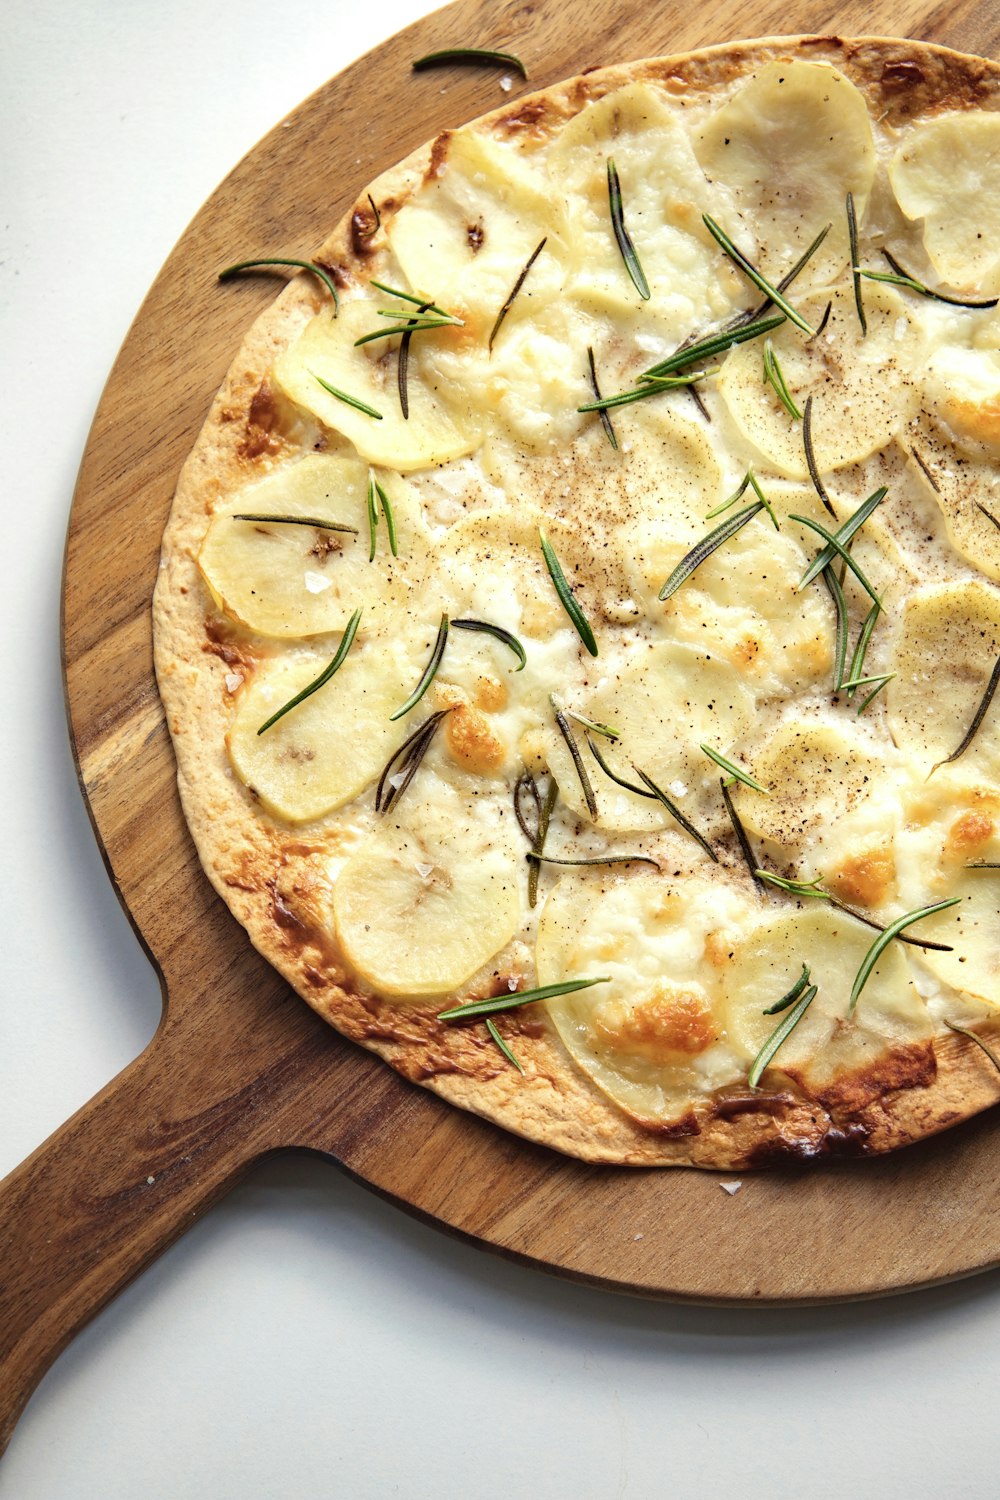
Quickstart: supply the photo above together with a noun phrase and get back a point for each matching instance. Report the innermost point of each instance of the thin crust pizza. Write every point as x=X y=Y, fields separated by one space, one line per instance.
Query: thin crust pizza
x=579 y=617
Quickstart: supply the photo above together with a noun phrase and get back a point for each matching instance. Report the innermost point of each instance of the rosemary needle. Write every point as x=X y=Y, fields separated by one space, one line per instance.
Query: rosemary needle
x=499 y=634
x=852 y=231
x=843 y=535
x=518 y=284
x=508 y=1054
x=469 y=55
x=711 y=345
x=302 y=265
x=780 y=1034
x=407 y=759
x=347 y=640
x=733 y=769
x=977 y=719
x=741 y=835
x=807 y=444
x=704 y=549
x=574 y=750
x=833 y=542
x=429 y=673
x=369 y=411
x=625 y=245
x=295 y=521
x=518 y=997
x=774 y=377
x=882 y=942
x=752 y=274
x=609 y=431
x=792 y=995
x=566 y=596
x=964 y=1031
x=676 y=814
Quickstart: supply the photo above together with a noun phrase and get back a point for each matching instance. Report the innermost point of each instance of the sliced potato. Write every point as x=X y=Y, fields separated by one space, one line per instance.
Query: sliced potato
x=328 y=749
x=325 y=350
x=827 y=1043
x=947 y=643
x=863 y=393
x=648 y=1038
x=288 y=580
x=948 y=174
x=792 y=143
x=427 y=900
x=967 y=493
x=664 y=702
x=814 y=774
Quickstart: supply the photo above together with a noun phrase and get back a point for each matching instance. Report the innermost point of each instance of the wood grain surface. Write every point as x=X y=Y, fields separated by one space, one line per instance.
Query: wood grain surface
x=239 y=1067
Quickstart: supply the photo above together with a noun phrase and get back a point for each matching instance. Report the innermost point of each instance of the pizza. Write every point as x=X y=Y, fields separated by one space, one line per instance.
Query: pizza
x=579 y=617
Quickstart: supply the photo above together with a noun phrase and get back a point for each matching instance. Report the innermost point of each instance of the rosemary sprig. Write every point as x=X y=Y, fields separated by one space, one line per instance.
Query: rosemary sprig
x=407 y=760
x=497 y=631
x=852 y=231
x=346 y=642
x=832 y=582
x=787 y=279
x=882 y=942
x=754 y=484
x=752 y=274
x=361 y=406
x=792 y=995
x=407 y=329
x=519 y=997
x=860 y=651
x=977 y=719
x=567 y=598
x=810 y=889
x=741 y=834
x=843 y=535
x=518 y=284
x=599 y=859
x=964 y=1031
x=899 y=277
x=320 y=525
x=545 y=812
x=676 y=814
x=737 y=494
x=372 y=502
x=302 y=265
x=604 y=730
x=774 y=377
x=810 y=452
x=390 y=519
x=704 y=549
x=780 y=1034
x=625 y=245
x=629 y=786
x=880 y=683
x=429 y=673
x=651 y=386
x=833 y=541
x=476 y=55
x=581 y=770
x=711 y=345
x=609 y=431
x=508 y=1054
x=989 y=516
x=733 y=769
x=828 y=309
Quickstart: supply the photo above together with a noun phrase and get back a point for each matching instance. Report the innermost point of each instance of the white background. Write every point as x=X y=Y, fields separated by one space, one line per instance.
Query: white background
x=305 y=1339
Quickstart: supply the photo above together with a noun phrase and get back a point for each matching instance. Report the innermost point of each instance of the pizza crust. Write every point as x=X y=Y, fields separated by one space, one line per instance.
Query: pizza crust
x=272 y=875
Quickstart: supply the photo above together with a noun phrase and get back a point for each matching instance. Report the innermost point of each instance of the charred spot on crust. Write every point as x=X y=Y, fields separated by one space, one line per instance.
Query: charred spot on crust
x=728 y=1106
x=364 y=226
x=259 y=436
x=851 y=1140
x=687 y=1125
x=220 y=641
x=283 y=915
x=475 y=234
x=439 y=153
x=911 y=1067
x=901 y=73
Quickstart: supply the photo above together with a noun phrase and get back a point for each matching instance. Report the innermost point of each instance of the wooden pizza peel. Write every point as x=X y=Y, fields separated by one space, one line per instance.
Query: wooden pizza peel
x=240 y=1068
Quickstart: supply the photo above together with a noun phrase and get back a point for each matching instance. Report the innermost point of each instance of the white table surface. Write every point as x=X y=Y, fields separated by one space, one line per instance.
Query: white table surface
x=305 y=1339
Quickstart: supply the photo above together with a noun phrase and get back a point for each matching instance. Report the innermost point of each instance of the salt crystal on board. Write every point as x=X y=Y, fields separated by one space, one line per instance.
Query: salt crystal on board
x=730 y=1187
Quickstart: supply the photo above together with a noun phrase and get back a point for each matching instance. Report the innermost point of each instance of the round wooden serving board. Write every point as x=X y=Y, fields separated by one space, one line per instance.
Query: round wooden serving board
x=240 y=1068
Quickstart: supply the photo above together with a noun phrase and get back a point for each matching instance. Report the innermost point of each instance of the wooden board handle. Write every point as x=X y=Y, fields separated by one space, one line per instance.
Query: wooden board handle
x=99 y=1200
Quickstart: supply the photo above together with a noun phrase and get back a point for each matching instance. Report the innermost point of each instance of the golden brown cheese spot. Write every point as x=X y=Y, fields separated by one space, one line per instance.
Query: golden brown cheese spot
x=718 y=950
x=468 y=736
x=745 y=652
x=979 y=419
x=968 y=833
x=671 y=1025
x=866 y=879
x=491 y=694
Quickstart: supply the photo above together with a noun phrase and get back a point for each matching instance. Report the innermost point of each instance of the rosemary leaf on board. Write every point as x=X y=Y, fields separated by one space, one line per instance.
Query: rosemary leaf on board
x=474 y=55
x=508 y=1054
x=983 y=1047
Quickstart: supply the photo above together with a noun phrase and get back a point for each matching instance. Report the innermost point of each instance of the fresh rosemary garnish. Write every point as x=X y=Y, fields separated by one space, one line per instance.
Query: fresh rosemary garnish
x=676 y=814
x=421 y=303
x=754 y=484
x=574 y=750
x=977 y=719
x=991 y=518
x=832 y=582
x=469 y=55
x=429 y=673
x=852 y=232
x=567 y=598
x=651 y=386
x=843 y=535
x=880 y=683
x=833 y=541
x=629 y=786
x=518 y=997
x=741 y=834
x=733 y=769
x=752 y=274
x=787 y=279
x=822 y=322
x=774 y=377
x=518 y=284
x=792 y=995
x=485 y=628
x=704 y=549
x=346 y=642
x=964 y=1031
x=855 y=679
x=780 y=1034
x=526 y=783
x=882 y=942
x=302 y=265
x=711 y=345
x=368 y=234
x=602 y=729
x=597 y=859
x=320 y=525
x=369 y=411
x=806 y=890
x=545 y=812
x=407 y=760
x=372 y=518
x=508 y=1054
x=737 y=494
x=390 y=519
x=899 y=277
x=625 y=245
x=598 y=398
x=407 y=329
x=810 y=453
